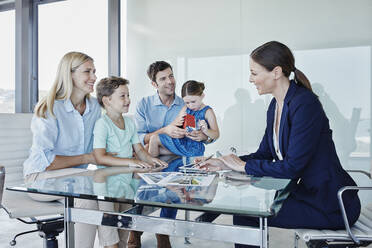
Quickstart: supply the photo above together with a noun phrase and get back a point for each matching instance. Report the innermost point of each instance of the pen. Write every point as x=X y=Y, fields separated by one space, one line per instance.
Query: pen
x=194 y=164
x=207 y=158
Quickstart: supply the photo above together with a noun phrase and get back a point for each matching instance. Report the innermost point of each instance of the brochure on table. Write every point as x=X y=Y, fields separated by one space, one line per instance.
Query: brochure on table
x=177 y=179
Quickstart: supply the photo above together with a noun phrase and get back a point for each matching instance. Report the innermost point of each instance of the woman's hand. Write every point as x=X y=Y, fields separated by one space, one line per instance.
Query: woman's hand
x=112 y=154
x=233 y=162
x=90 y=158
x=213 y=164
x=198 y=160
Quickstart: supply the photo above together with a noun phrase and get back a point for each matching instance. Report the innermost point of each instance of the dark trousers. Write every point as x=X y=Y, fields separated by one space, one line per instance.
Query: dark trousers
x=168 y=213
x=296 y=214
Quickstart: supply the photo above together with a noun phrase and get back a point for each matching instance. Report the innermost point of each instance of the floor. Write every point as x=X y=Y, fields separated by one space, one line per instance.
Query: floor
x=279 y=238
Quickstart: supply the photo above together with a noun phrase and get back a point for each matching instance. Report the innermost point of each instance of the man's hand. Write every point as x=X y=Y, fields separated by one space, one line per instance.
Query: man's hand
x=197 y=135
x=180 y=118
x=175 y=132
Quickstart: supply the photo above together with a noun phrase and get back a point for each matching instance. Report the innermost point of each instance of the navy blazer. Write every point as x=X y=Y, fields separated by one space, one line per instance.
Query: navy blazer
x=309 y=154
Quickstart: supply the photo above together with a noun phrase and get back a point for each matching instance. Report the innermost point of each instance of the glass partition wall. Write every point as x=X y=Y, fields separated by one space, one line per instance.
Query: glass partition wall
x=211 y=41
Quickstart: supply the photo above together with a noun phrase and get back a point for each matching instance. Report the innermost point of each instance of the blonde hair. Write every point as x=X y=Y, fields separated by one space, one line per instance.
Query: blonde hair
x=63 y=85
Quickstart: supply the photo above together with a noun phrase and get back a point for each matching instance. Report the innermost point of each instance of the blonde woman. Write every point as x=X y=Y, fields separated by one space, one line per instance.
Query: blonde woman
x=62 y=129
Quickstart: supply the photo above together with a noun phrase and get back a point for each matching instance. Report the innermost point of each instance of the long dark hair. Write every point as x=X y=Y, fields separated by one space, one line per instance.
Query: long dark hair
x=274 y=53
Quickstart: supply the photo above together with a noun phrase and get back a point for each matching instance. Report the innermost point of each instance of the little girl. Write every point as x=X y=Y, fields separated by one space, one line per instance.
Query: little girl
x=192 y=94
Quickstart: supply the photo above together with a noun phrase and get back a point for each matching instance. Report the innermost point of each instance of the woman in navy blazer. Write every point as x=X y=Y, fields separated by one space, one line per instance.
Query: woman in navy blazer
x=297 y=145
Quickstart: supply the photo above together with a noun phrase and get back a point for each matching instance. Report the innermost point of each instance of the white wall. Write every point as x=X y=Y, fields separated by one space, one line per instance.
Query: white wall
x=210 y=40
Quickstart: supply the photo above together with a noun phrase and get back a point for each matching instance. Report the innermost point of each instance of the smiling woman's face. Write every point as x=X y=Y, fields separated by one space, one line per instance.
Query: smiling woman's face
x=84 y=77
x=261 y=78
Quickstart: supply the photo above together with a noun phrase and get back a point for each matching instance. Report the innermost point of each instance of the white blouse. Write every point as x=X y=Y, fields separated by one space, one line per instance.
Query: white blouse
x=275 y=140
x=69 y=134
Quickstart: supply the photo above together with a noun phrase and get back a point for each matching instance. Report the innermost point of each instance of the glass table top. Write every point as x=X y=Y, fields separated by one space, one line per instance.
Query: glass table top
x=225 y=192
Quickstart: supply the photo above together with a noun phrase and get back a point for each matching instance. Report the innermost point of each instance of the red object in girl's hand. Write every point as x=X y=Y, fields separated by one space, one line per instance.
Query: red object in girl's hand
x=189 y=121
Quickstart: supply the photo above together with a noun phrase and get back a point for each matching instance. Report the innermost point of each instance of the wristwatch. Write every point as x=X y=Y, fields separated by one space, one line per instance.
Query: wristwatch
x=208 y=140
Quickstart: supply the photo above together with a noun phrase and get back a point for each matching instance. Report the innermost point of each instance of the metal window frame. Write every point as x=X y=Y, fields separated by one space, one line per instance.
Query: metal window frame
x=8 y=5
x=182 y=228
x=114 y=33
x=26 y=54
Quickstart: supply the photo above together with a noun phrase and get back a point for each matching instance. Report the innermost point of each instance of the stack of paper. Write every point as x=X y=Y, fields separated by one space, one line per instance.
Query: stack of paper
x=176 y=178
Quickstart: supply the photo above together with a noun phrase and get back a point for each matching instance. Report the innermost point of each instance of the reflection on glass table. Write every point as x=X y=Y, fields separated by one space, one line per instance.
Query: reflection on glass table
x=228 y=193
x=231 y=192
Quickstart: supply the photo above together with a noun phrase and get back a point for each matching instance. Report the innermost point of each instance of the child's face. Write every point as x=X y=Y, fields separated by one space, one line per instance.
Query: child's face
x=193 y=102
x=119 y=101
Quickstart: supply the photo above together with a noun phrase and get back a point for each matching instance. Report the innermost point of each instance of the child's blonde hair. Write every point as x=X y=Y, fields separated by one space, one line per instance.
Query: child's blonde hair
x=63 y=85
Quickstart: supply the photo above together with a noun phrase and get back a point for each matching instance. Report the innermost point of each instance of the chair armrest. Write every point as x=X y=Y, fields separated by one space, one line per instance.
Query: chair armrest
x=343 y=211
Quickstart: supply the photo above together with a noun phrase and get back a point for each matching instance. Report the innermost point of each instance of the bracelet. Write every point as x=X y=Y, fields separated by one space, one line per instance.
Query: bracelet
x=208 y=141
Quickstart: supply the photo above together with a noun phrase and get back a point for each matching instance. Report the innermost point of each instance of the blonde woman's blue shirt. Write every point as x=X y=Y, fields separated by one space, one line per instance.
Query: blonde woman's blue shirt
x=67 y=134
x=108 y=136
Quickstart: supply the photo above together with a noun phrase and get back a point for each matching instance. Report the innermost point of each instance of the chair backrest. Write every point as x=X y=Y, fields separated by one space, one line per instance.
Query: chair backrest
x=15 y=142
x=2 y=182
